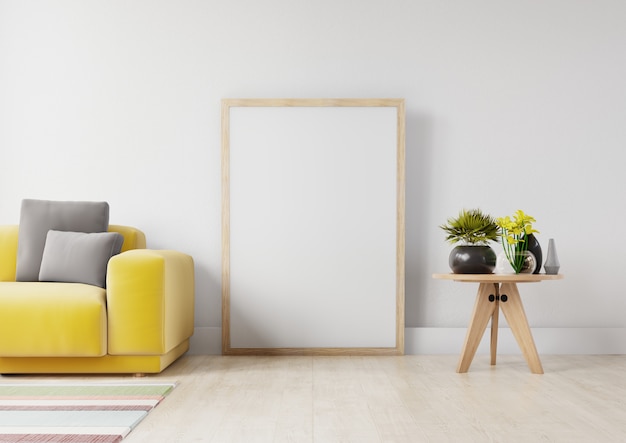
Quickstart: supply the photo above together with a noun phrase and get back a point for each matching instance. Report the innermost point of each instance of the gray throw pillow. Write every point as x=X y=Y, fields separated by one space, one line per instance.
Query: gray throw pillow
x=78 y=257
x=37 y=217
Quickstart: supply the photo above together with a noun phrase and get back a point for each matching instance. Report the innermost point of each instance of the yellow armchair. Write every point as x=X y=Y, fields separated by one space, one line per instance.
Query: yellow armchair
x=140 y=323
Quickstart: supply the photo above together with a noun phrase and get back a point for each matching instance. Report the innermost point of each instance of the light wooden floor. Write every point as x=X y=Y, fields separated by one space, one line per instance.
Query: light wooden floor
x=386 y=399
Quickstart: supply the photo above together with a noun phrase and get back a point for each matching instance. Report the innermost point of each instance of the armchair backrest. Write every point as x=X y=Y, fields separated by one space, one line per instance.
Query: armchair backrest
x=133 y=239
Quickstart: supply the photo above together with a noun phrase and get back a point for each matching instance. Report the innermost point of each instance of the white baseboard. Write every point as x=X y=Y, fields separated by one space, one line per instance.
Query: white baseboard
x=547 y=341
x=208 y=340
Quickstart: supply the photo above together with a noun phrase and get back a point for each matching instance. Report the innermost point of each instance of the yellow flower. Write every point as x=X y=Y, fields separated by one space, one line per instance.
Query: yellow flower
x=514 y=233
x=528 y=229
x=511 y=240
x=523 y=219
x=506 y=223
x=516 y=230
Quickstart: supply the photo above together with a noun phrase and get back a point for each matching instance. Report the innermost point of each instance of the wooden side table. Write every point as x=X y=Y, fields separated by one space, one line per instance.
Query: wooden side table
x=495 y=292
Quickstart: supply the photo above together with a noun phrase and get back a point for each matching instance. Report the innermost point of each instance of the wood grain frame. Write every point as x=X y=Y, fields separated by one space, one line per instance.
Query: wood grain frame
x=397 y=348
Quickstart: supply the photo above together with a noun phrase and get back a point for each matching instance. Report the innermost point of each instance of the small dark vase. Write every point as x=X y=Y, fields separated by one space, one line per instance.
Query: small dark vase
x=535 y=248
x=472 y=259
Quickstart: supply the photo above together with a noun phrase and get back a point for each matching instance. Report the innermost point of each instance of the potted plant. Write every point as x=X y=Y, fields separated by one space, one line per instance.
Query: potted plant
x=520 y=247
x=474 y=230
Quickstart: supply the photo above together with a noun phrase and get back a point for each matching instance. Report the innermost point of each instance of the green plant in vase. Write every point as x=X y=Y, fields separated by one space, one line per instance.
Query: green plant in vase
x=474 y=230
x=514 y=234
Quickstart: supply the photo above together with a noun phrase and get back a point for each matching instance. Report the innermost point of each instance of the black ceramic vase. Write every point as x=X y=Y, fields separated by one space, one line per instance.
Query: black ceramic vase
x=472 y=259
x=535 y=248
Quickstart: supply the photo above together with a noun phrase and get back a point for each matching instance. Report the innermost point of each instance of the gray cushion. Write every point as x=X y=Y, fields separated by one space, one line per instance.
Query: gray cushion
x=78 y=257
x=37 y=217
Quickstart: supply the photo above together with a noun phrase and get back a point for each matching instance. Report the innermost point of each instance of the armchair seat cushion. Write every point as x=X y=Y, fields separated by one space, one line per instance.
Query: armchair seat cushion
x=52 y=319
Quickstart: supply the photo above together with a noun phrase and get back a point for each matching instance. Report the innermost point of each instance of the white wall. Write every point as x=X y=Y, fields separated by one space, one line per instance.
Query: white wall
x=509 y=105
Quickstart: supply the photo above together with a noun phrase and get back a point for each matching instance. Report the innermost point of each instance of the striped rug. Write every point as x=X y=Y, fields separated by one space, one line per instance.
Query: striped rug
x=72 y=413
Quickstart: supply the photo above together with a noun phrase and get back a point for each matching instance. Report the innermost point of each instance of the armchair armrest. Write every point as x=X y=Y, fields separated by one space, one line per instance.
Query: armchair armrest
x=150 y=301
x=8 y=252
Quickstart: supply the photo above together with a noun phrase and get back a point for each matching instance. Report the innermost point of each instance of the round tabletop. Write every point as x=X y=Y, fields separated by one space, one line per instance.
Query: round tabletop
x=499 y=278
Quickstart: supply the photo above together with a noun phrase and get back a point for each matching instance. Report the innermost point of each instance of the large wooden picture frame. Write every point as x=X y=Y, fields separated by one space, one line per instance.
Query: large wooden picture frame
x=313 y=227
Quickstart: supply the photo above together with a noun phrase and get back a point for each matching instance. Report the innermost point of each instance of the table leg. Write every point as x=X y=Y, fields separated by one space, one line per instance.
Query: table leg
x=494 y=325
x=483 y=311
x=513 y=310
